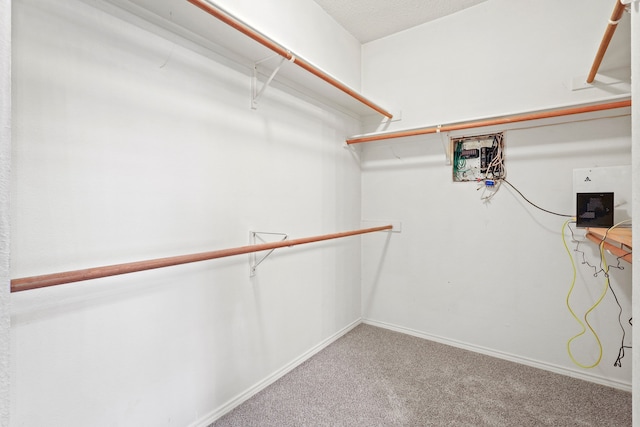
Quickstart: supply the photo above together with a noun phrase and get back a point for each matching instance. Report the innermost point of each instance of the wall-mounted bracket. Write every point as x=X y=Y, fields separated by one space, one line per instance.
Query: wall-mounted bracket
x=619 y=78
x=256 y=93
x=446 y=146
x=255 y=237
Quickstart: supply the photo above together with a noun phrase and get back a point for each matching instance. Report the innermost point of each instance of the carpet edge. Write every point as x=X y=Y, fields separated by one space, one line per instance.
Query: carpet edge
x=270 y=379
x=502 y=355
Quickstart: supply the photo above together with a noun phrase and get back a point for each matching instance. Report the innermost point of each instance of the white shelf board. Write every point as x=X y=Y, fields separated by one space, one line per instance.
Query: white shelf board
x=190 y=23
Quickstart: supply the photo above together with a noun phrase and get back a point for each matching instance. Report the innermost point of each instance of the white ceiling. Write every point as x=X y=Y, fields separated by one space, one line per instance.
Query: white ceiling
x=372 y=19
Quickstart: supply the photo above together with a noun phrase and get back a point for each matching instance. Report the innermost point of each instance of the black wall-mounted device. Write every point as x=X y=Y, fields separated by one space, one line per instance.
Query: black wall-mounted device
x=594 y=210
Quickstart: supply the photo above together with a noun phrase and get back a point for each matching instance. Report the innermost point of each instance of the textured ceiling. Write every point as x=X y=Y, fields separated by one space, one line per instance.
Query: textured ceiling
x=372 y=19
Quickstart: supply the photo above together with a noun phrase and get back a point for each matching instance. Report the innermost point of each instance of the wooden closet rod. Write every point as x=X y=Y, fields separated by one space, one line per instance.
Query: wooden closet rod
x=35 y=282
x=616 y=15
x=490 y=122
x=265 y=41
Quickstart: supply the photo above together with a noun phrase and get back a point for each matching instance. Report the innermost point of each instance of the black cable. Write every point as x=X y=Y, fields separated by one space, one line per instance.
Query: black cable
x=596 y=273
x=618 y=362
x=533 y=204
x=573 y=236
x=619 y=266
x=584 y=261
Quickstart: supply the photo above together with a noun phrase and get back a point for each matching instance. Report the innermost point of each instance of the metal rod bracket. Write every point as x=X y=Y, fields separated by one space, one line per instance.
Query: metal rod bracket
x=446 y=145
x=256 y=93
x=254 y=236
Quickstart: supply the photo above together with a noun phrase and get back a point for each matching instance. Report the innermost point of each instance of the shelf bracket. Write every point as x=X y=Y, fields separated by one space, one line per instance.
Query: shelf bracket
x=255 y=237
x=446 y=145
x=256 y=93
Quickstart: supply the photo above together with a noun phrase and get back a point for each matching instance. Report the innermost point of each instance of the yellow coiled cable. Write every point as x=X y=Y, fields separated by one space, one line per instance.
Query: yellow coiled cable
x=584 y=329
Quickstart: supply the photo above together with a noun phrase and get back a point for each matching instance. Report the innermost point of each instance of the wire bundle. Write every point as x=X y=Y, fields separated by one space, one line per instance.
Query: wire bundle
x=495 y=168
x=604 y=268
x=495 y=171
x=607 y=286
x=459 y=162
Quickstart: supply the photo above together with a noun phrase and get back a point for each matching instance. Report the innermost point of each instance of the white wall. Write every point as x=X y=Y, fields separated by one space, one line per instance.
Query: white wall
x=492 y=277
x=305 y=29
x=498 y=57
x=130 y=147
x=5 y=164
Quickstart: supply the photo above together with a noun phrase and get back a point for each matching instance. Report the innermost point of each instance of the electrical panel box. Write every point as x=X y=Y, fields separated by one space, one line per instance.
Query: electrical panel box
x=477 y=158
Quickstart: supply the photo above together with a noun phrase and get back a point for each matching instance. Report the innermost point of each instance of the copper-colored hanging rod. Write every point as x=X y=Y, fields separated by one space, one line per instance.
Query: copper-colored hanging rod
x=267 y=42
x=489 y=122
x=616 y=15
x=35 y=282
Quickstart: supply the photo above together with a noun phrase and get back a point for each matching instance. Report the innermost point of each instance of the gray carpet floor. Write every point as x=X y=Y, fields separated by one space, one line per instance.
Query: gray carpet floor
x=376 y=377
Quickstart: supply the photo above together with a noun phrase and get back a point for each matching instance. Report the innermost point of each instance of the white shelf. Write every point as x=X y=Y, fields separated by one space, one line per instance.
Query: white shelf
x=196 y=27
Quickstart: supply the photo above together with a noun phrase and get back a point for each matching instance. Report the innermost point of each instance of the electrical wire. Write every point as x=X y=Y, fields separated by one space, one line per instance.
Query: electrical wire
x=531 y=203
x=605 y=269
x=495 y=170
x=601 y=246
x=584 y=257
x=596 y=270
x=618 y=362
x=492 y=191
x=586 y=320
x=584 y=261
x=459 y=162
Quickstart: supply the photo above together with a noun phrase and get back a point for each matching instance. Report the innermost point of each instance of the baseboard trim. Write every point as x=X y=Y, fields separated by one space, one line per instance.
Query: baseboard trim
x=502 y=355
x=247 y=394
